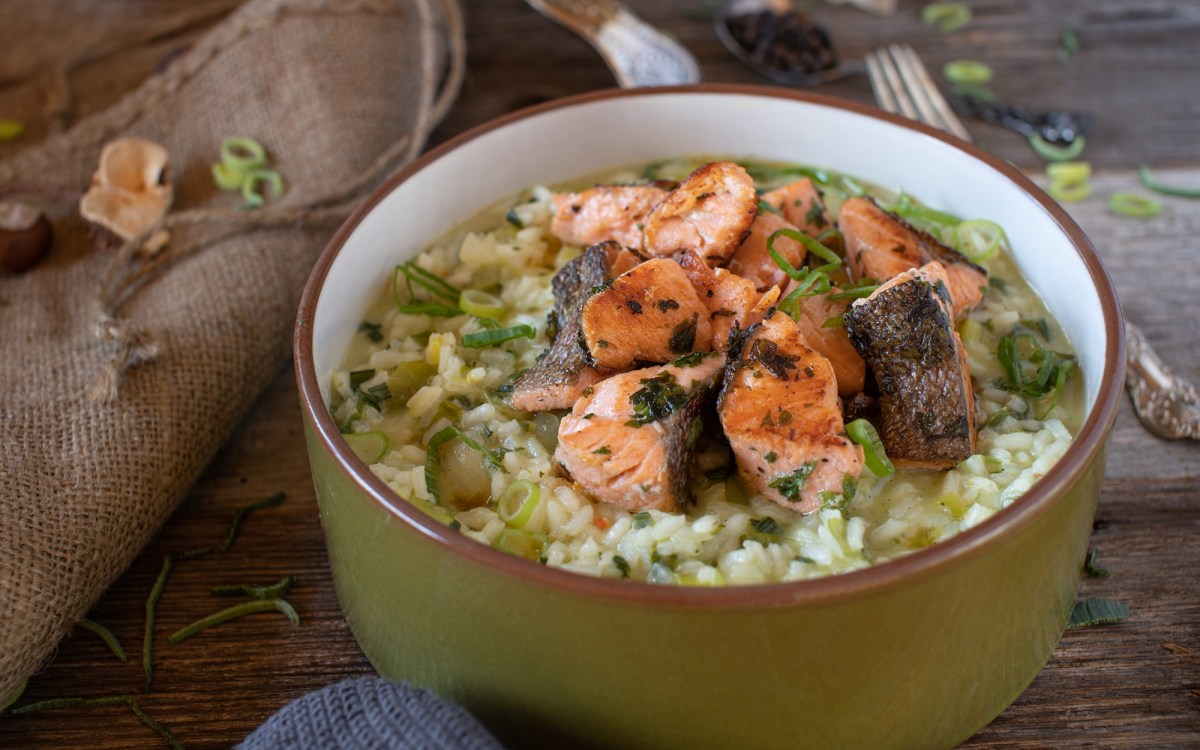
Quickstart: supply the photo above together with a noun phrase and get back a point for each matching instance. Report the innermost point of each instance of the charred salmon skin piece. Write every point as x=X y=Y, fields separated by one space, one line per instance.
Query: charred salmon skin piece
x=781 y=413
x=905 y=332
x=629 y=441
x=881 y=246
x=801 y=204
x=709 y=213
x=832 y=342
x=606 y=212
x=734 y=304
x=648 y=314
x=751 y=259
x=558 y=379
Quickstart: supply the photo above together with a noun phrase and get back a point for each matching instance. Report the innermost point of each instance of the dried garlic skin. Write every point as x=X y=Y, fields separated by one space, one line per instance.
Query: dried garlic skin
x=131 y=189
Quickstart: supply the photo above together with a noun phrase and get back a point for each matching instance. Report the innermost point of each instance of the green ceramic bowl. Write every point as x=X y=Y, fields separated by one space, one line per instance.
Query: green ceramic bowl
x=920 y=652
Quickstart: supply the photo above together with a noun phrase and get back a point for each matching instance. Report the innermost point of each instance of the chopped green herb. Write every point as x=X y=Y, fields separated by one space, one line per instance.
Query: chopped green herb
x=849 y=486
x=767 y=208
x=105 y=635
x=238 y=610
x=667 y=304
x=785 y=417
x=767 y=354
x=658 y=398
x=642 y=519
x=622 y=565
x=275 y=591
x=481 y=339
x=834 y=501
x=767 y=421
x=683 y=335
x=371 y=331
x=602 y=450
x=770 y=456
x=1153 y=184
x=791 y=485
x=1097 y=611
x=766 y=525
x=1068 y=43
x=358 y=377
x=376 y=395
x=512 y=218
x=999 y=285
x=1090 y=567
x=518 y=502
x=690 y=360
x=1031 y=370
x=603 y=344
x=815 y=217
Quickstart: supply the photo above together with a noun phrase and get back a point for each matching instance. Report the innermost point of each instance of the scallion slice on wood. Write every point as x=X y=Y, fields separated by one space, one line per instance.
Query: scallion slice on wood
x=518 y=502
x=1134 y=206
x=1097 y=611
x=1071 y=172
x=947 y=17
x=227 y=178
x=105 y=635
x=1069 y=192
x=480 y=304
x=978 y=239
x=482 y=339
x=967 y=71
x=1090 y=567
x=238 y=610
x=1153 y=184
x=863 y=433
x=1050 y=152
x=370 y=447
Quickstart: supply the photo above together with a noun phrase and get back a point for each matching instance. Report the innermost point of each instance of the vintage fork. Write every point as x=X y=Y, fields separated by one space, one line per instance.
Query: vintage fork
x=1166 y=404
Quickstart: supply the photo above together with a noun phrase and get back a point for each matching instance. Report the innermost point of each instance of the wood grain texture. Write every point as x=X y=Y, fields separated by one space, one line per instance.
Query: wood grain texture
x=1131 y=685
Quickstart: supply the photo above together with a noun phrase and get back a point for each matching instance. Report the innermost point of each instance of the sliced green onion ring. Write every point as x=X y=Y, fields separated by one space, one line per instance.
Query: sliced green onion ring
x=480 y=304
x=1069 y=172
x=370 y=447
x=432 y=309
x=1152 y=184
x=863 y=433
x=947 y=17
x=1069 y=192
x=243 y=153
x=1050 y=152
x=978 y=239
x=967 y=71
x=255 y=178
x=228 y=178
x=482 y=339
x=906 y=208
x=1134 y=206
x=518 y=502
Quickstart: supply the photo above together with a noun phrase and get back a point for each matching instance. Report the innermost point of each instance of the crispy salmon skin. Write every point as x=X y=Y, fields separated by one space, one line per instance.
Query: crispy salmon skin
x=905 y=332
x=629 y=440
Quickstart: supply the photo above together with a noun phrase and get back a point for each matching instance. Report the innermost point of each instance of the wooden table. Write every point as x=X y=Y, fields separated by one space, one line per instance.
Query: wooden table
x=1135 y=684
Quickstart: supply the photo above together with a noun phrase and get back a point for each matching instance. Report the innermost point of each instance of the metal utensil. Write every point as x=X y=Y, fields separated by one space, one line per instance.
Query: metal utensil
x=816 y=37
x=1167 y=405
x=637 y=53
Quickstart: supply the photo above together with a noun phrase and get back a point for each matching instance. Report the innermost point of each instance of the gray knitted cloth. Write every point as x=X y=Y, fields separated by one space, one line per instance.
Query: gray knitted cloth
x=370 y=713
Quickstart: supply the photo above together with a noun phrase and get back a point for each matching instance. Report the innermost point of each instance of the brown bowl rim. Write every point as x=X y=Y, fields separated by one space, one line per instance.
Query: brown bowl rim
x=911 y=568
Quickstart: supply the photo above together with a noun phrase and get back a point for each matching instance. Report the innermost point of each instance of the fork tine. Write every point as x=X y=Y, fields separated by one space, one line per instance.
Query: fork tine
x=933 y=106
x=894 y=82
x=879 y=85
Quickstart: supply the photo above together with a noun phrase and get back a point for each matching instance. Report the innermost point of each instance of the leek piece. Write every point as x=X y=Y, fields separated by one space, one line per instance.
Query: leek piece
x=978 y=239
x=482 y=339
x=1134 y=206
x=407 y=378
x=967 y=71
x=526 y=544
x=370 y=447
x=863 y=433
x=243 y=153
x=518 y=502
x=1152 y=184
x=480 y=304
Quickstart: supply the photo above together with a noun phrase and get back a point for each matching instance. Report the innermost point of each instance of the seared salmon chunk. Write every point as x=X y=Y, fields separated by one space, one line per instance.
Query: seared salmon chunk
x=606 y=212
x=751 y=259
x=709 y=213
x=800 y=203
x=562 y=374
x=780 y=410
x=881 y=245
x=733 y=302
x=629 y=439
x=905 y=332
x=648 y=314
x=815 y=321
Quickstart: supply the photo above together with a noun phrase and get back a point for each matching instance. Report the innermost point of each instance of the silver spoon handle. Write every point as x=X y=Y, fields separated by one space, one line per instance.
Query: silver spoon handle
x=637 y=53
x=1167 y=405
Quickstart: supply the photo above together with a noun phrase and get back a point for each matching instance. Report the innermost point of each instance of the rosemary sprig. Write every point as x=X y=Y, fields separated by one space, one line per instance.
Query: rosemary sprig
x=152 y=603
x=270 y=502
x=277 y=591
x=105 y=635
x=238 y=610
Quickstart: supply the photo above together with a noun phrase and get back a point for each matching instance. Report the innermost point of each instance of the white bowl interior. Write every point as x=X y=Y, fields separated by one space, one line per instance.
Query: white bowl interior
x=571 y=141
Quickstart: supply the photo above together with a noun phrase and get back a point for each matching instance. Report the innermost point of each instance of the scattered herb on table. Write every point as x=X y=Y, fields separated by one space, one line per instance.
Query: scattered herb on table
x=231 y=613
x=276 y=591
x=1134 y=206
x=1068 y=43
x=105 y=635
x=1153 y=184
x=112 y=700
x=946 y=17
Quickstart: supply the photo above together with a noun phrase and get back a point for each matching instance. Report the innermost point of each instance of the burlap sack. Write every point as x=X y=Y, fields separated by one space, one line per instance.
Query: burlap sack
x=340 y=92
